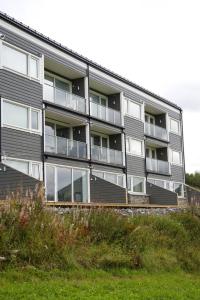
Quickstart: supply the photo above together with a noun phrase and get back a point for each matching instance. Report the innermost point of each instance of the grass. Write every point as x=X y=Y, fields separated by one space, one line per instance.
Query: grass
x=98 y=284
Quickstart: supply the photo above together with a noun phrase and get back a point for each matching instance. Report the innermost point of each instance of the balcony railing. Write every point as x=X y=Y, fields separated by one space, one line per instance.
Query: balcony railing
x=156 y=131
x=64 y=146
x=107 y=155
x=105 y=113
x=157 y=166
x=64 y=98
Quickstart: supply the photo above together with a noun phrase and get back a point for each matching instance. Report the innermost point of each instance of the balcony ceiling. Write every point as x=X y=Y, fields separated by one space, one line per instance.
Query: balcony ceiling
x=66 y=118
x=103 y=128
x=61 y=70
x=153 y=110
x=102 y=88
x=155 y=143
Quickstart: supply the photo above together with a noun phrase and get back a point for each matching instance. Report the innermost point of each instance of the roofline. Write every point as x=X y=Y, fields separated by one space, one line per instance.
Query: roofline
x=83 y=59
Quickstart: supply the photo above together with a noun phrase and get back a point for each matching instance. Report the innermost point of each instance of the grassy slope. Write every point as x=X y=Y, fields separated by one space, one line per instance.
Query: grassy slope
x=93 y=284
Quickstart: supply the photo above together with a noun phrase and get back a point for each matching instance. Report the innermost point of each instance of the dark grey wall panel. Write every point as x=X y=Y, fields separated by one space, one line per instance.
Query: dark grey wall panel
x=37 y=50
x=135 y=165
x=20 y=144
x=12 y=180
x=114 y=101
x=20 y=89
x=107 y=168
x=102 y=191
x=115 y=142
x=79 y=133
x=158 y=195
x=134 y=128
x=175 y=142
x=177 y=173
x=162 y=154
x=78 y=87
x=66 y=162
x=160 y=120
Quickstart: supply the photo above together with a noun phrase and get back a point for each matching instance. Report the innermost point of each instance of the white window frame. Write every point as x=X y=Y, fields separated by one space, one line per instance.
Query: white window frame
x=135 y=154
x=30 y=109
x=131 y=191
x=126 y=112
x=55 y=166
x=30 y=164
x=59 y=78
x=179 y=126
x=100 y=96
x=112 y=173
x=29 y=56
x=171 y=157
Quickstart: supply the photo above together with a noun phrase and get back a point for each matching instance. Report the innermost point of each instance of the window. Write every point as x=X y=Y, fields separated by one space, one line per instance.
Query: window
x=25 y=166
x=175 y=187
x=134 y=147
x=136 y=184
x=176 y=157
x=175 y=126
x=178 y=188
x=20 y=61
x=66 y=184
x=114 y=178
x=21 y=116
x=132 y=109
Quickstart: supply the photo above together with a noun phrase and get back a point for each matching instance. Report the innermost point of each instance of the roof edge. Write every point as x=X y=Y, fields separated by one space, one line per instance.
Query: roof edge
x=89 y=62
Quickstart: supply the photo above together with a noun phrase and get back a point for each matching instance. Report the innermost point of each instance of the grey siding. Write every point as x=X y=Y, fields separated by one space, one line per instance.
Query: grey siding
x=102 y=191
x=107 y=168
x=66 y=162
x=20 y=144
x=37 y=50
x=177 y=173
x=20 y=89
x=12 y=181
x=158 y=195
x=134 y=128
x=175 y=142
x=135 y=165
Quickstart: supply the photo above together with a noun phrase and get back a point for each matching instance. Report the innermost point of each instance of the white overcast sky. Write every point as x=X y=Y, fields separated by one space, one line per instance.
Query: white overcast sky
x=154 y=43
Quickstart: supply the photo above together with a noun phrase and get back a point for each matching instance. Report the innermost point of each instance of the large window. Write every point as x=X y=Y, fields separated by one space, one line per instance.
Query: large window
x=176 y=157
x=20 y=61
x=134 y=146
x=136 y=184
x=175 y=126
x=21 y=116
x=133 y=109
x=31 y=168
x=66 y=184
x=175 y=187
x=115 y=178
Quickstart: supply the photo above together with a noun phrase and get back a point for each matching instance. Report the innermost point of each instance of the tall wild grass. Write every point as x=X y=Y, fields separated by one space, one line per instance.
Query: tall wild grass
x=31 y=234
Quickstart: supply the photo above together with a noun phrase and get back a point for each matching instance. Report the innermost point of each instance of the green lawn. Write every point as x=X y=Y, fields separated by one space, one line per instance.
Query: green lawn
x=35 y=285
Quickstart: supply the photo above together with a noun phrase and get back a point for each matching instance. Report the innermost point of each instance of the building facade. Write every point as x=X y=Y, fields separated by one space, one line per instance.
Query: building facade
x=90 y=135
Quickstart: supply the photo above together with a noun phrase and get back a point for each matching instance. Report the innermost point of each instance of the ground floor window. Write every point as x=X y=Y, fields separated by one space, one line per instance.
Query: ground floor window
x=116 y=178
x=136 y=184
x=66 y=184
x=175 y=187
x=31 y=168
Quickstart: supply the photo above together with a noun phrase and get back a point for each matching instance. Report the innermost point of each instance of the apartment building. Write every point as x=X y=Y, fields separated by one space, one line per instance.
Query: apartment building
x=90 y=135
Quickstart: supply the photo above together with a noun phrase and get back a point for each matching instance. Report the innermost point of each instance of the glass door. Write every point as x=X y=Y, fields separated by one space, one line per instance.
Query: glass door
x=150 y=124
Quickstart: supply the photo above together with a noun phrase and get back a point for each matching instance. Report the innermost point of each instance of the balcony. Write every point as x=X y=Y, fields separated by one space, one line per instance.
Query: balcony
x=66 y=147
x=158 y=166
x=105 y=113
x=156 y=131
x=64 y=98
x=107 y=155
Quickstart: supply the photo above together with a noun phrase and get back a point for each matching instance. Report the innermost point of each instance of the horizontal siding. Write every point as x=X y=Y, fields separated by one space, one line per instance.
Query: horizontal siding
x=12 y=181
x=102 y=191
x=177 y=173
x=66 y=162
x=158 y=195
x=135 y=166
x=107 y=168
x=37 y=50
x=134 y=128
x=20 y=89
x=175 y=142
x=20 y=144
x=157 y=176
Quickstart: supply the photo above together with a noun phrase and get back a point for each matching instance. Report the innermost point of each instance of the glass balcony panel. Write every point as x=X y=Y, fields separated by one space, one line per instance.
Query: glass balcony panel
x=156 y=131
x=157 y=166
x=105 y=113
x=64 y=98
x=106 y=155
